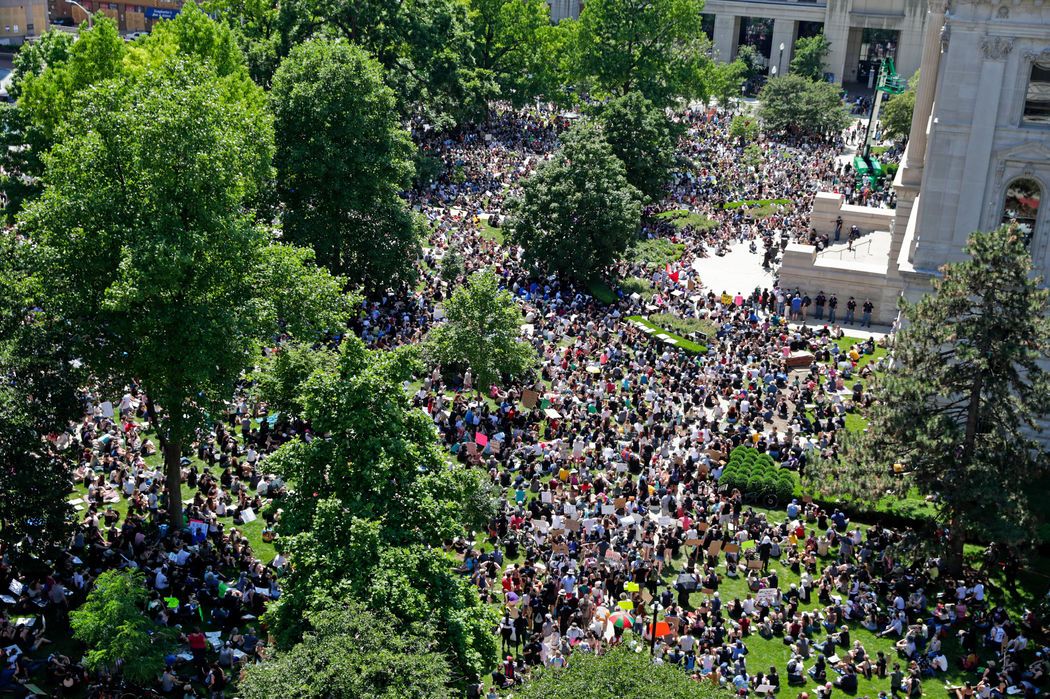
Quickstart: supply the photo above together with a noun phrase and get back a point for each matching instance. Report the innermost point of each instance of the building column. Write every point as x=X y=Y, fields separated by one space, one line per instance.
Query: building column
x=784 y=32
x=727 y=30
x=924 y=93
x=836 y=31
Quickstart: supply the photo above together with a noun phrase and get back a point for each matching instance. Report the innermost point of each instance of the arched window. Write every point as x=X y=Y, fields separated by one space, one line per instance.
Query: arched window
x=1021 y=205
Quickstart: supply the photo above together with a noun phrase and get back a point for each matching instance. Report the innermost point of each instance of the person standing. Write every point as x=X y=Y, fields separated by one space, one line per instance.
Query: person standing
x=821 y=301
x=868 y=307
x=896 y=680
x=833 y=303
x=851 y=308
x=838 y=228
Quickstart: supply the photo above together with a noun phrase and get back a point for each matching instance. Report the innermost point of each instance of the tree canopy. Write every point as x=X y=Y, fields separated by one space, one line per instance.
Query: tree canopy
x=482 y=332
x=577 y=213
x=147 y=250
x=353 y=653
x=643 y=138
x=656 y=47
x=113 y=622
x=793 y=102
x=371 y=507
x=960 y=410
x=808 y=60
x=621 y=672
x=342 y=158
x=896 y=112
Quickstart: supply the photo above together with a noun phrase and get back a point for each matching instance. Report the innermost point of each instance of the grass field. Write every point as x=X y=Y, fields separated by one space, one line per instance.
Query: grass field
x=682 y=219
x=685 y=344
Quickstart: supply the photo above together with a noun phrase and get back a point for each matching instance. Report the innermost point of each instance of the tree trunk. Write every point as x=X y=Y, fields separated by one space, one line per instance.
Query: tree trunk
x=955 y=549
x=173 y=470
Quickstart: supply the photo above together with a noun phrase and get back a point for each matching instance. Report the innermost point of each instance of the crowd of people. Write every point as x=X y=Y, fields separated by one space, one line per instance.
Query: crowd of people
x=611 y=516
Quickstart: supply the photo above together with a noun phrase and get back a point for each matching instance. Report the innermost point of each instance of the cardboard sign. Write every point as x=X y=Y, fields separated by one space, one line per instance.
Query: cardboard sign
x=714 y=548
x=560 y=548
x=692 y=542
x=620 y=503
x=732 y=548
x=754 y=565
x=573 y=525
x=702 y=527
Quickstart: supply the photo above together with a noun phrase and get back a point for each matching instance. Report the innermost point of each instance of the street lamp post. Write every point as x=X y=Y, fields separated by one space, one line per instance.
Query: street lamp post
x=652 y=629
x=780 y=61
x=74 y=2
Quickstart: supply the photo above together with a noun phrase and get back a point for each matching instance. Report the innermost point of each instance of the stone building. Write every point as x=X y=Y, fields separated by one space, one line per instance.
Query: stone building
x=978 y=155
x=856 y=29
x=22 y=20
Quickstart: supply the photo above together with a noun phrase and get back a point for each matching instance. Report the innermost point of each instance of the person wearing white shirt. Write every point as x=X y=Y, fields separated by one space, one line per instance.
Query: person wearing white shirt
x=161 y=581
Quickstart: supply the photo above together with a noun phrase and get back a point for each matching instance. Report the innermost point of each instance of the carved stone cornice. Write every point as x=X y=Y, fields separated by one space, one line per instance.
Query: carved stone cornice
x=1038 y=56
x=996 y=47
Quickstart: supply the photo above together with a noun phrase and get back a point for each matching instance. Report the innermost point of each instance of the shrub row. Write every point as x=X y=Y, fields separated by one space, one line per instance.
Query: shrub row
x=752 y=472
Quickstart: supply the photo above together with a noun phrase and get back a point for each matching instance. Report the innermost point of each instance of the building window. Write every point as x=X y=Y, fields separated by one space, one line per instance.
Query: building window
x=1037 y=99
x=1021 y=205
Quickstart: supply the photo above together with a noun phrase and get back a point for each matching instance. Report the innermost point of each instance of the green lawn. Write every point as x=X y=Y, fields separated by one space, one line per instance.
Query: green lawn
x=685 y=344
x=491 y=232
x=253 y=530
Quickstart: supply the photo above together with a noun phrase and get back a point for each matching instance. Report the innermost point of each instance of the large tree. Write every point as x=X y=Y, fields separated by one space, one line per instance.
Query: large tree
x=116 y=626
x=148 y=255
x=808 y=60
x=512 y=42
x=962 y=407
x=342 y=158
x=353 y=653
x=371 y=507
x=425 y=48
x=643 y=138
x=577 y=213
x=39 y=379
x=656 y=47
x=482 y=332
x=792 y=102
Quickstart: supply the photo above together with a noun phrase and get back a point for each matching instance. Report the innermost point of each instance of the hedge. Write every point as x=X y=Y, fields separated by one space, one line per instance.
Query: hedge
x=752 y=472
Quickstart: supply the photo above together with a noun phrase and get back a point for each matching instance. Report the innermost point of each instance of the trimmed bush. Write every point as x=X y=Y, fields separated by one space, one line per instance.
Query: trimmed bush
x=752 y=472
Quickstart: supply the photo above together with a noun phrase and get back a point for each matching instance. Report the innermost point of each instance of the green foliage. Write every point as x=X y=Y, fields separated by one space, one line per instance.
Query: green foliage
x=513 y=43
x=577 y=213
x=281 y=377
x=427 y=169
x=961 y=409
x=619 y=673
x=482 y=332
x=371 y=507
x=808 y=60
x=147 y=253
x=643 y=138
x=751 y=60
x=794 y=103
x=353 y=653
x=723 y=80
x=424 y=46
x=752 y=156
x=743 y=128
x=113 y=622
x=601 y=291
x=341 y=160
x=655 y=47
x=451 y=264
x=51 y=49
x=682 y=219
x=637 y=285
x=895 y=114
x=752 y=472
x=655 y=252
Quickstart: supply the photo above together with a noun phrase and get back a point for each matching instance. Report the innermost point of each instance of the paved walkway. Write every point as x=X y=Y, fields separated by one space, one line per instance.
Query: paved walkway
x=739 y=271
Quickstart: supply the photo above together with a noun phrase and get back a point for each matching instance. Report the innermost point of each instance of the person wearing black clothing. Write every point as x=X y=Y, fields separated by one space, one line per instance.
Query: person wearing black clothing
x=851 y=307
x=833 y=303
x=868 y=307
x=820 y=302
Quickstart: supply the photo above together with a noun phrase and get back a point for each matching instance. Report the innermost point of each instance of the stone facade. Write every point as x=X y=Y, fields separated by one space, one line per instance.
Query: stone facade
x=978 y=152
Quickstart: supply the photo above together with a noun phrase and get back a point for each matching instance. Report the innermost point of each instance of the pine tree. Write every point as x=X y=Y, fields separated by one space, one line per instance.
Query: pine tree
x=960 y=409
